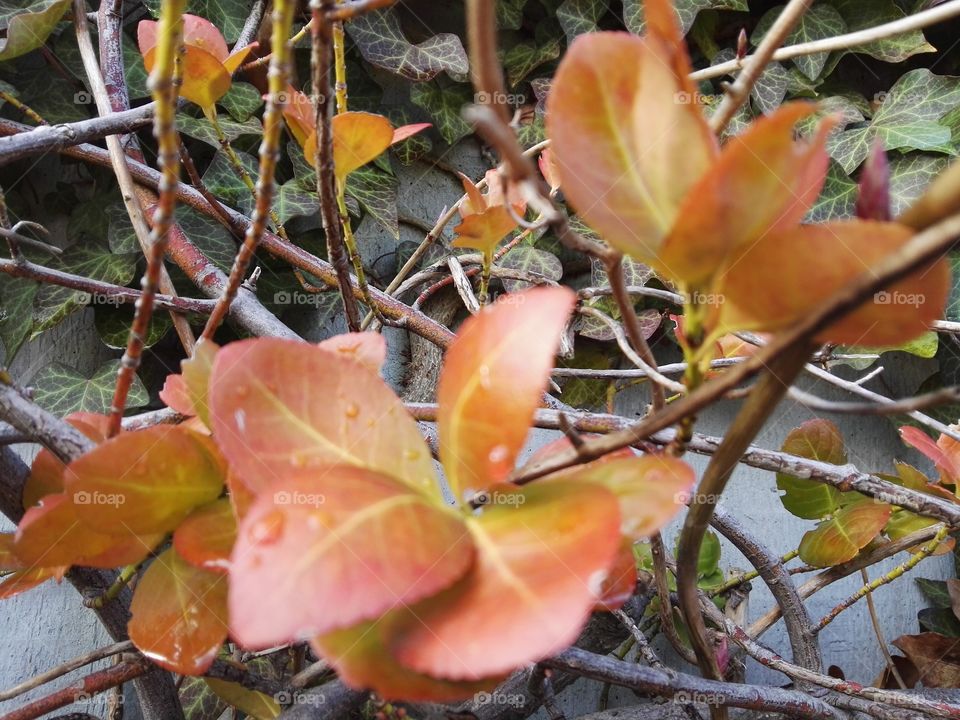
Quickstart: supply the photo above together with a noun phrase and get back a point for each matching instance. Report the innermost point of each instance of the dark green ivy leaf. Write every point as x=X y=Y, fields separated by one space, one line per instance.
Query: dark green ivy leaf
x=62 y=390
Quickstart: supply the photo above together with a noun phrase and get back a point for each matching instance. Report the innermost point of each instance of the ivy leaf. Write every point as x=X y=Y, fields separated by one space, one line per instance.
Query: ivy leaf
x=213 y=239
x=16 y=313
x=179 y=614
x=483 y=425
x=229 y=15
x=62 y=390
x=292 y=201
x=251 y=703
x=93 y=260
x=862 y=14
x=820 y=21
x=200 y=129
x=382 y=43
x=444 y=105
x=113 y=326
x=198 y=701
x=935 y=591
x=909 y=177
x=277 y=404
x=510 y=14
x=814 y=440
x=26 y=25
x=376 y=191
x=837 y=200
x=531 y=260
x=842 y=536
x=906 y=120
x=380 y=544
x=223 y=181
x=523 y=58
x=580 y=16
x=241 y=101
x=687 y=11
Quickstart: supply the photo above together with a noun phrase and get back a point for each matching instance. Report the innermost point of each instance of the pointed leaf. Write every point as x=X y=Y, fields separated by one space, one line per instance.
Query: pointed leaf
x=543 y=552
x=252 y=703
x=23 y=580
x=63 y=390
x=492 y=379
x=358 y=138
x=627 y=137
x=179 y=614
x=356 y=542
x=816 y=261
x=484 y=230
x=279 y=405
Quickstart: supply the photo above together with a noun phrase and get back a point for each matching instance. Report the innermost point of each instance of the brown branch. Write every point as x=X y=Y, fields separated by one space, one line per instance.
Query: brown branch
x=64 y=668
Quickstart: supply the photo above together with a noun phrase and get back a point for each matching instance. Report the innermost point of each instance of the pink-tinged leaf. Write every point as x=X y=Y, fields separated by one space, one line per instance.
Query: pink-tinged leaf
x=204 y=78
x=563 y=444
x=621 y=580
x=628 y=137
x=491 y=383
x=367 y=348
x=175 y=395
x=206 y=538
x=298 y=111
x=146 y=481
x=23 y=580
x=46 y=473
x=815 y=261
x=873 y=199
x=548 y=168
x=179 y=614
x=201 y=33
x=361 y=657
x=51 y=535
x=475 y=202
x=405 y=131
x=762 y=182
x=543 y=552
x=196 y=376
x=281 y=405
x=947 y=463
x=356 y=542
x=650 y=489
x=840 y=538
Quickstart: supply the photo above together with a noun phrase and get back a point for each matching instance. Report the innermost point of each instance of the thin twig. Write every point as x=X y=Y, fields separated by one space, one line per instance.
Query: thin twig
x=64 y=668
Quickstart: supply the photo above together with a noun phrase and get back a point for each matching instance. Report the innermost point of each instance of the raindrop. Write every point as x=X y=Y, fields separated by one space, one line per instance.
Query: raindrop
x=352 y=410
x=267 y=529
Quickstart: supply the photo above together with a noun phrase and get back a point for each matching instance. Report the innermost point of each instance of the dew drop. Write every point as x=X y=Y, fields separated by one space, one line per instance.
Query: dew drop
x=298 y=460
x=240 y=418
x=242 y=391
x=352 y=410
x=484 y=372
x=499 y=454
x=267 y=529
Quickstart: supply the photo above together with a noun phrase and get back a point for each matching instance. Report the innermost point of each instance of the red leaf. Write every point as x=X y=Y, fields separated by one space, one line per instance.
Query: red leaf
x=873 y=199
x=23 y=580
x=357 y=543
x=621 y=580
x=179 y=614
x=405 y=131
x=366 y=348
x=543 y=551
x=281 y=405
x=206 y=538
x=945 y=462
x=492 y=380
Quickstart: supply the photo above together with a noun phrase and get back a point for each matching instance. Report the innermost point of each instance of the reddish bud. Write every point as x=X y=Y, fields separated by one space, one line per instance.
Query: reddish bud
x=742 y=44
x=873 y=202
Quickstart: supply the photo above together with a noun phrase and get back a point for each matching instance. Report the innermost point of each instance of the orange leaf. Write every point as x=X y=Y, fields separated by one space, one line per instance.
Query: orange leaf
x=362 y=660
x=23 y=580
x=494 y=374
x=367 y=348
x=543 y=551
x=206 y=538
x=46 y=473
x=298 y=111
x=475 y=202
x=358 y=138
x=627 y=137
x=187 y=392
x=356 y=542
x=763 y=182
x=405 y=131
x=621 y=580
x=201 y=33
x=8 y=560
x=651 y=489
x=179 y=614
x=815 y=261
x=484 y=230
x=145 y=481
x=280 y=405
x=548 y=168
x=51 y=535
x=947 y=463
x=841 y=537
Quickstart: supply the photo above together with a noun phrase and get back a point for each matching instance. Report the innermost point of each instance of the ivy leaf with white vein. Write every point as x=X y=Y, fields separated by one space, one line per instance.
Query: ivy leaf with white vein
x=381 y=41
x=862 y=14
x=26 y=25
x=837 y=200
x=907 y=119
x=510 y=14
x=523 y=58
x=530 y=260
x=909 y=177
x=376 y=191
x=223 y=181
x=444 y=105
x=687 y=11
x=200 y=129
x=293 y=201
x=580 y=16
x=62 y=390
x=16 y=313
x=820 y=21
x=241 y=101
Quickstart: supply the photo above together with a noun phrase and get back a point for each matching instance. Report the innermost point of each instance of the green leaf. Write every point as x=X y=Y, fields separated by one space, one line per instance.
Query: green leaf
x=580 y=16
x=241 y=101
x=16 y=313
x=843 y=535
x=530 y=260
x=52 y=96
x=135 y=71
x=113 y=325
x=376 y=191
x=200 y=128
x=814 y=440
x=62 y=390
x=862 y=14
x=26 y=24
x=906 y=120
x=820 y=21
x=444 y=106
x=837 y=200
x=213 y=239
x=199 y=702
x=687 y=11
x=293 y=201
x=228 y=15
x=939 y=620
x=909 y=177
x=522 y=59
x=586 y=392
x=510 y=14
x=224 y=181
x=935 y=591
x=708 y=562
x=121 y=237
x=381 y=41
x=88 y=259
